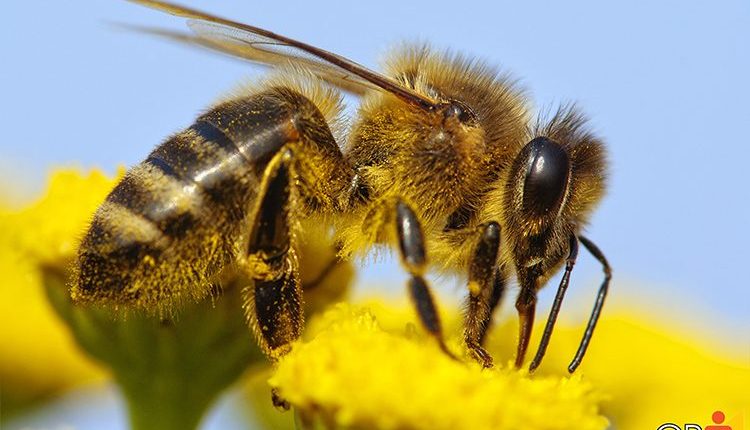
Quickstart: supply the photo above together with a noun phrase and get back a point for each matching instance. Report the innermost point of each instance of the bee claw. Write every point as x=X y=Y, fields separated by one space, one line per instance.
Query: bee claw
x=481 y=356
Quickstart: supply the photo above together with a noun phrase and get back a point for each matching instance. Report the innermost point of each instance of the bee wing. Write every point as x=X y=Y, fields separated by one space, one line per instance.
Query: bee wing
x=264 y=50
x=257 y=44
x=239 y=49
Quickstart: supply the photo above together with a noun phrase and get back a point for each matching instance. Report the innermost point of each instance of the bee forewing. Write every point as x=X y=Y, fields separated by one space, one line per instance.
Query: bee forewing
x=265 y=50
x=263 y=40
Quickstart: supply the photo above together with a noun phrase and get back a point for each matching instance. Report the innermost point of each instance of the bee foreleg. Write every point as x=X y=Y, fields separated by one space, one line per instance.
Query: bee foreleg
x=526 y=307
x=564 y=282
x=274 y=303
x=482 y=279
x=603 y=289
x=413 y=256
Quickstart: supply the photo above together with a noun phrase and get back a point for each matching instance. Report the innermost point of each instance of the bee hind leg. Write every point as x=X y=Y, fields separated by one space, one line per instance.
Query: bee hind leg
x=413 y=256
x=486 y=283
x=273 y=302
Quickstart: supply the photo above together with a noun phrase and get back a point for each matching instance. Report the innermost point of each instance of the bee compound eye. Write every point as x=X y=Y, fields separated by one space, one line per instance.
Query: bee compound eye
x=547 y=175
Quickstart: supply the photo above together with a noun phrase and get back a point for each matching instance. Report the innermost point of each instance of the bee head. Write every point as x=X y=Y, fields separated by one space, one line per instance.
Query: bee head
x=552 y=186
x=539 y=189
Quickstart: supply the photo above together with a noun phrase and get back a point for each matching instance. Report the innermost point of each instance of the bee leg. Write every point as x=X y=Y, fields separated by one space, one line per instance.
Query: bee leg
x=603 y=289
x=526 y=306
x=569 y=263
x=411 y=245
x=273 y=304
x=482 y=274
x=498 y=292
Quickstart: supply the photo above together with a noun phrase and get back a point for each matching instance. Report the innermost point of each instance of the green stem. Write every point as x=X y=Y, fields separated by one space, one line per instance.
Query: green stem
x=165 y=403
x=170 y=370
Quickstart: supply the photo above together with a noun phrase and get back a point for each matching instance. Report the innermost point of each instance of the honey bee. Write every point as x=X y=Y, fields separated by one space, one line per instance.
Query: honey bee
x=442 y=157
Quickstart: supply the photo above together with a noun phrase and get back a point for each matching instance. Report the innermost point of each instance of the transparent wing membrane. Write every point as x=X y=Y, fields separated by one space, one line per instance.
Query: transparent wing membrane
x=263 y=46
x=267 y=51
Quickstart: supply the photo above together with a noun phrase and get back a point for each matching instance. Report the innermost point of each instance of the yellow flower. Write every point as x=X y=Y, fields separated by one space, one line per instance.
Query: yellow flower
x=367 y=367
x=358 y=374
x=653 y=373
x=37 y=355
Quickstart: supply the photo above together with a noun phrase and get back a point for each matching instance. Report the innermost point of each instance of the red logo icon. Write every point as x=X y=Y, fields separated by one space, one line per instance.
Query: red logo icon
x=718 y=418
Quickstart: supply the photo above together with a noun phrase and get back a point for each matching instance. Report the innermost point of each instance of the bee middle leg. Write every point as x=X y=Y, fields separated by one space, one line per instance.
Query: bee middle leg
x=413 y=257
x=486 y=283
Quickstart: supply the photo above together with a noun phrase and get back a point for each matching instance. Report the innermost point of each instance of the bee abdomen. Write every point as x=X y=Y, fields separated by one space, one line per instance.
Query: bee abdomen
x=176 y=219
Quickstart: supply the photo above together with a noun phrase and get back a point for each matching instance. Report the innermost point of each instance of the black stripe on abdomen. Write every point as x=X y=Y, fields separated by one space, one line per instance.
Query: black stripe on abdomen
x=217 y=163
x=210 y=133
x=161 y=165
x=203 y=155
x=258 y=126
x=145 y=193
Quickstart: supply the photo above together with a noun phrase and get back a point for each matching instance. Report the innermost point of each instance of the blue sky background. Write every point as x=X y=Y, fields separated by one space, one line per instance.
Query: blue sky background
x=665 y=82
